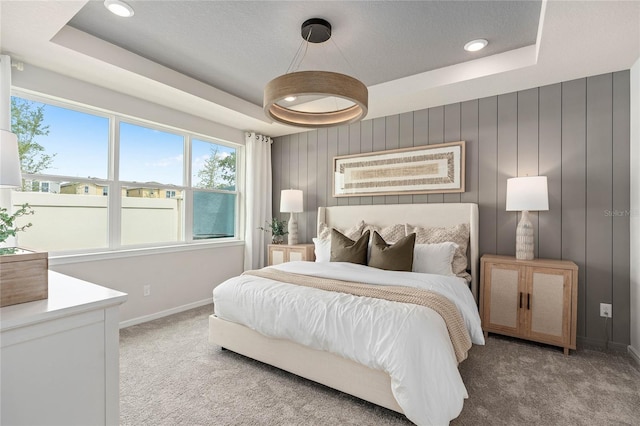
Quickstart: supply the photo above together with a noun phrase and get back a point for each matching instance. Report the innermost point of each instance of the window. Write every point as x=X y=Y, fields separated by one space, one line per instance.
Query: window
x=214 y=197
x=150 y=158
x=138 y=178
x=66 y=215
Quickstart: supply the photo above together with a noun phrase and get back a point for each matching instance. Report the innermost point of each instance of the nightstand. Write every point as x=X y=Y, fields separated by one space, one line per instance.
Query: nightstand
x=530 y=299
x=281 y=253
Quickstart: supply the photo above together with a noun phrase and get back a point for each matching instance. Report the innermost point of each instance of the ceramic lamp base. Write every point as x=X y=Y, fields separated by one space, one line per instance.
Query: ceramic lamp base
x=524 y=238
x=293 y=230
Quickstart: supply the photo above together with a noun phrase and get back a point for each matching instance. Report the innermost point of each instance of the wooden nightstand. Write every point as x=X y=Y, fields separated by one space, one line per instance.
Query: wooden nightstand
x=531 y=299
x=281 y=253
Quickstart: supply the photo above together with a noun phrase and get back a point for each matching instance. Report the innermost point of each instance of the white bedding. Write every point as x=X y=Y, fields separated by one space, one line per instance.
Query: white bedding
x=409 y=342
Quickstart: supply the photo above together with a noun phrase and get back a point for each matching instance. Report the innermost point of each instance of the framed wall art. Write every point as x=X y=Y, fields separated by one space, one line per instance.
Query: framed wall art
x=427 y=169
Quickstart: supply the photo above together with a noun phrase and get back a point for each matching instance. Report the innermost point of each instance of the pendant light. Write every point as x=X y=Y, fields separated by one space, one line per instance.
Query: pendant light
x=294 y=85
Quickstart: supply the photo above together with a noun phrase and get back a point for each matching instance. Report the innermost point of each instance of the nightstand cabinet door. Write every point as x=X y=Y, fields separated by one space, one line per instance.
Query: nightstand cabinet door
x=503 y=289
x=277 y=254
x=298 y=254
x=548 y=316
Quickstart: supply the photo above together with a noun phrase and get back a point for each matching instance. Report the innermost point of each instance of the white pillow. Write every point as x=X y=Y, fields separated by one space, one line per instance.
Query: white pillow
x=322 y=249
x=434 y=258
x=458 y=234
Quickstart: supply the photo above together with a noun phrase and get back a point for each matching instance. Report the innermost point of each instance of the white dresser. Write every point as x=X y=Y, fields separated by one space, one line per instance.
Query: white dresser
x=59 y=357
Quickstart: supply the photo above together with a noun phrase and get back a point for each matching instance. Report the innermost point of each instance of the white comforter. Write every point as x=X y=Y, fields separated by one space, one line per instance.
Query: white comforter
x=409 y=342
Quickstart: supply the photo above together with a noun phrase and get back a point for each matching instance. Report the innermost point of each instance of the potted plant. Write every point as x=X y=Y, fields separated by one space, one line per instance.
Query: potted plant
x=277 y=229
x=8 y=227
x=23 y=273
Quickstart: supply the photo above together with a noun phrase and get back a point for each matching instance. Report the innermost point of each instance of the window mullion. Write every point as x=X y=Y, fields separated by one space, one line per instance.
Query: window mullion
x=188 y=214
x=115 y=189
x=187 y=206
x=240 y=200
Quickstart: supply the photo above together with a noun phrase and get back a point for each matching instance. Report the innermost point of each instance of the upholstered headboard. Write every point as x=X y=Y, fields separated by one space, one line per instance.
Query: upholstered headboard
x=434 y=215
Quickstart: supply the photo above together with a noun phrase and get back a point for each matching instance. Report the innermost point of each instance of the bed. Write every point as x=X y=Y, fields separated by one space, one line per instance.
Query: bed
x=245 y=330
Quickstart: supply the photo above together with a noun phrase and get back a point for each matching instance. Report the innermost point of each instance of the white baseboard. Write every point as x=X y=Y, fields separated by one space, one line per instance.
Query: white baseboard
x=146 y=318
x=634 y=353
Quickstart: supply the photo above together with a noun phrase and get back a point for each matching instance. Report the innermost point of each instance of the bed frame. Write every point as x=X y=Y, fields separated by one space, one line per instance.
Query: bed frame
x=324 y=367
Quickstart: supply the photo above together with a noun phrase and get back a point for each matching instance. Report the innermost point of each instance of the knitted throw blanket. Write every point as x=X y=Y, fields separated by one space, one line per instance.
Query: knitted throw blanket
x=444 y=307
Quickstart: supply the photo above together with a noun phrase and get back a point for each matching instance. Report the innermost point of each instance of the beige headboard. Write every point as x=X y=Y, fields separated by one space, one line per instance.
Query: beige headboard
x=440 y=214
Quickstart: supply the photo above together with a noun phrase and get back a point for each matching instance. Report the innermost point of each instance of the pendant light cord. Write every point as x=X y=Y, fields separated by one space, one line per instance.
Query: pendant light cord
x=293 y=61
x=353 y=70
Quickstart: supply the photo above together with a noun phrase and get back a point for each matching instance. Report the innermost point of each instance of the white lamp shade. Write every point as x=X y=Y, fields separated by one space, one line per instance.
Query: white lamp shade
x=9 y=161
x=291 y=201
x=527 y=193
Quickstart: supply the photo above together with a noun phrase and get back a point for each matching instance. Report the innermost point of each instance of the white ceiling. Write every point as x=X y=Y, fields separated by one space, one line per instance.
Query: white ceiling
x=212 y=58
x=239 y=46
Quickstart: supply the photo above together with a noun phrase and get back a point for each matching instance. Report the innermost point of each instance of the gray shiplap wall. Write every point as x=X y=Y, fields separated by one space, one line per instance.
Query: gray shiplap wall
x=576 y=133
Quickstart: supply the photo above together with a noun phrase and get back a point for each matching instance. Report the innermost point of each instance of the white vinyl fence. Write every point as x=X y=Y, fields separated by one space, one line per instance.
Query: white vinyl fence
x=75 y=222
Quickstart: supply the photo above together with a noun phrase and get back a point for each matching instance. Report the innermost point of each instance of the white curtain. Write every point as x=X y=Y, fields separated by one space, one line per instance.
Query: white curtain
x=258 y=198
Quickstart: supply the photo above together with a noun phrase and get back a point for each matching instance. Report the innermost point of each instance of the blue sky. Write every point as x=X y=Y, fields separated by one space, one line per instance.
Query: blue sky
x=81 y=144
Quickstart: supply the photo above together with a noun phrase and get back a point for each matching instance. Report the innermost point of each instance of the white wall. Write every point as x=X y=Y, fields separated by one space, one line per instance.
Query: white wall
x=634 y=348
x=179 y=280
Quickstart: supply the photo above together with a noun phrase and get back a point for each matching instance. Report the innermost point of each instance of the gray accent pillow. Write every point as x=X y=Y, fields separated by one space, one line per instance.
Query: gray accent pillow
x=344 y=249
x=396 y=257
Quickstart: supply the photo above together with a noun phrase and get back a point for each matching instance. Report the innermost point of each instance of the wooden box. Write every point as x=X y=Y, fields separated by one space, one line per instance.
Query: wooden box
x=23 y=277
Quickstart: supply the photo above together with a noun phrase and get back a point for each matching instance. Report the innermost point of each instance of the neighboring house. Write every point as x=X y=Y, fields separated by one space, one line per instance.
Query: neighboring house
x=155 y=192
x=83 y=189
x=93 y=189
x=42 y=186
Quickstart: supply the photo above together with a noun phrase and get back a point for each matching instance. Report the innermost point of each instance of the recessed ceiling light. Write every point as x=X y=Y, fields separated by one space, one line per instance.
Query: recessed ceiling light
x=118 y=7
x=475 y=45
x=290 y=98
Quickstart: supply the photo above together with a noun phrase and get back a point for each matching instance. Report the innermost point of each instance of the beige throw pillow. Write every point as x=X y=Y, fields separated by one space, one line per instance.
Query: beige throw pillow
x=458 y=234
x=396 y=257
x=324 y=232
x=390 y=234
x=344 y=249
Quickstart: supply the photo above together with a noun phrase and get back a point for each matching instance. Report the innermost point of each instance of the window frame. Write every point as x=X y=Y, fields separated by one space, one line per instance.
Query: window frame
x=114 y=186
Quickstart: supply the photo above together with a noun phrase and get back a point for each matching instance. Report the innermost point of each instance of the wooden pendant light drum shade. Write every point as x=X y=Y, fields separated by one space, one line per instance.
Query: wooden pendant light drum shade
x=316 y=83
x=324 y=83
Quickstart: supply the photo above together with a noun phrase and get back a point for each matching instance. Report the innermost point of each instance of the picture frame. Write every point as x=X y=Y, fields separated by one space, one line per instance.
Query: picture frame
x=427 y=169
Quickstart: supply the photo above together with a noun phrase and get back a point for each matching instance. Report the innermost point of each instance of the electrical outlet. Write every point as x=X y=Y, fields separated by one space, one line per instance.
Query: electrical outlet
x=147 y=290
x=605 y=310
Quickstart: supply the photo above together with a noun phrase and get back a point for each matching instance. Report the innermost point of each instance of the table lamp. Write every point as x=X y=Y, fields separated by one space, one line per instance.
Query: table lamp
x=291 y=202
x=526 y=194
x=9 y=161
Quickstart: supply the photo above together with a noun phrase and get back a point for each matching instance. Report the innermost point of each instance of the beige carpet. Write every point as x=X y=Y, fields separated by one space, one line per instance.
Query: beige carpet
x=169 y=375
